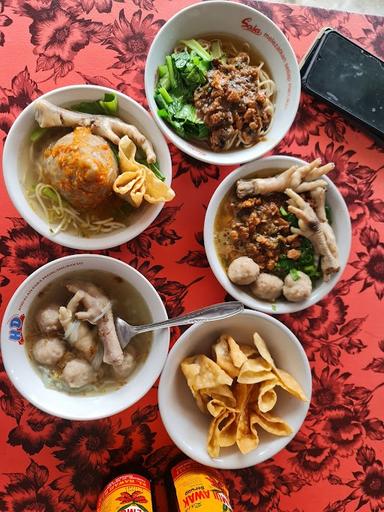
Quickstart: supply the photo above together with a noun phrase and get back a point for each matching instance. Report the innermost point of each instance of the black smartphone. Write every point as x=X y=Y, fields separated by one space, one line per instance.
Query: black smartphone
x=343 y=74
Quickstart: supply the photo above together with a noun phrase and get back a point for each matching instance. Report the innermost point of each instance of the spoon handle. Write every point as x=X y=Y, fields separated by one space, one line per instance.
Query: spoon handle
x=215 y=312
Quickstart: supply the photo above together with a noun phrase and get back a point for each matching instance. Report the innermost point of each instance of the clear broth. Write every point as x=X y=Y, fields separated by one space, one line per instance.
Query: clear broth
x=127 y=303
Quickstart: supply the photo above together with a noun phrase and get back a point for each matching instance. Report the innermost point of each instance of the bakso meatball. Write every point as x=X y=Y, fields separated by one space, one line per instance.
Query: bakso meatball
x=48 y=319
x=124 y=369
x=299 y=289
x=48 y=351
x=267 y=287
x=243 y=270
x=82 y=168
x=78 y=373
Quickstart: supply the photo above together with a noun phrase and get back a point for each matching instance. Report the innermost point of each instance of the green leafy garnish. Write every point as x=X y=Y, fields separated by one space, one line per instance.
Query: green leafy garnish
x=289 y=217
x=306 y=263
x=294 y=273
x=37 y=134
x=154 y=168
x=178 y=79
x=48 y=193
x=108 y=106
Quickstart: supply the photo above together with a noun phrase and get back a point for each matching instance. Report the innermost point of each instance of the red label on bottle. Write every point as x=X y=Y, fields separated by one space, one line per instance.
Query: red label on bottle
x=126 y=493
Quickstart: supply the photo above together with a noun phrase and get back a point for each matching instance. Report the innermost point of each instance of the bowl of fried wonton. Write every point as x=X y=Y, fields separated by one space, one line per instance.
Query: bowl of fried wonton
x=239 y=387
x=59 y=343
x=87 y=167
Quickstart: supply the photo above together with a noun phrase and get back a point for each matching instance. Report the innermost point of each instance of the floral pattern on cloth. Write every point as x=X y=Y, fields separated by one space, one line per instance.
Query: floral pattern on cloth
x=335 y=463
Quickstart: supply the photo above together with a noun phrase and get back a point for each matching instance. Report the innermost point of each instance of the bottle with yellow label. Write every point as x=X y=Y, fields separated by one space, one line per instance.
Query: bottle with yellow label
x=129 y=490
x=192 y=486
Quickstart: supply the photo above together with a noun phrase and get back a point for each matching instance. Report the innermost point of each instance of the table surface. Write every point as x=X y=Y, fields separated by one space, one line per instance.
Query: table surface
x=333 y=464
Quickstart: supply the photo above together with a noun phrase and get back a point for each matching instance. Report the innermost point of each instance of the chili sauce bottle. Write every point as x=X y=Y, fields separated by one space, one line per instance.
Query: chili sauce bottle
x=129 y=489
x=192 y=486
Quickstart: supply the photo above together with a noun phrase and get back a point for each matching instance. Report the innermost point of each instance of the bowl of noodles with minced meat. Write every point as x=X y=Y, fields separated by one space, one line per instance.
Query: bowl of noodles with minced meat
x=222 y=82
x=87 y=167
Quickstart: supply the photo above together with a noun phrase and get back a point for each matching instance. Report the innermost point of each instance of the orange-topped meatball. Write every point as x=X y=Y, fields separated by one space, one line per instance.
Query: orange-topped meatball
x=82 y=167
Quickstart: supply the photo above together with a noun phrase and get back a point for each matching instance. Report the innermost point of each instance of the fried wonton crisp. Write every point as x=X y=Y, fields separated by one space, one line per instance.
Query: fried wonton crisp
x=238 y=390
x=137 y=181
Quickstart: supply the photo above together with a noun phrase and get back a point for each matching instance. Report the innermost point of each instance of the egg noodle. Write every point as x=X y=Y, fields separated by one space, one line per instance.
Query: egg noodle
x=58 y=211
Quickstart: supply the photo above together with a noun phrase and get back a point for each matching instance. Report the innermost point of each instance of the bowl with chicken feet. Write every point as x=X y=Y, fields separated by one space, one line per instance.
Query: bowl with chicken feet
x=277 y=233
x=59 y=343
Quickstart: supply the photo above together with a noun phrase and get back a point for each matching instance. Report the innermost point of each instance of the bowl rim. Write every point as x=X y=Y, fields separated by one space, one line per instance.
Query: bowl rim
x=213 y=260
x=39 y=224
x=167 y=418
x=24 y=390
x=209 y=156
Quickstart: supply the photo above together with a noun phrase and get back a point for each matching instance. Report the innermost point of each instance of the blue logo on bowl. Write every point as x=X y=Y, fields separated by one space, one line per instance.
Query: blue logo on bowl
x=16 y=328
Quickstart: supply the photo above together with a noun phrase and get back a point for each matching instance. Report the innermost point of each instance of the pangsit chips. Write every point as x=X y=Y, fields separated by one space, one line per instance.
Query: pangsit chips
x=137 y=181
x=237 y=389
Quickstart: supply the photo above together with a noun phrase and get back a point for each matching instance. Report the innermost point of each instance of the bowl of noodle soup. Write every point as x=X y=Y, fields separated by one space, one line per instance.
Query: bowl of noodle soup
x=225 y=95
x=45 y=206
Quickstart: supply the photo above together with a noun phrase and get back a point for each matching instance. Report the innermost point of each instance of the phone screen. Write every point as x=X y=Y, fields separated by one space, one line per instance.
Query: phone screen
x=349 y=77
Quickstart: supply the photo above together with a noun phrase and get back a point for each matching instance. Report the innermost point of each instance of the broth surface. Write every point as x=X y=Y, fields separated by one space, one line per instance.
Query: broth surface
x=127 y=303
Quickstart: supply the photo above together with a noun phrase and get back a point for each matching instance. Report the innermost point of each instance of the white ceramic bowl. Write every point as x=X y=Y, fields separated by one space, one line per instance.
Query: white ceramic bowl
x=240 y=21
x=18 y=138
x=341 y=226
x=188 y=427
x=28 y=382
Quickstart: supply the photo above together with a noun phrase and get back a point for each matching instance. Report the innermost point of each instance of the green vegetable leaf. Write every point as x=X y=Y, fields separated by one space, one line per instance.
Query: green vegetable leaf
x=196 y=46
x=306 y=263
x=154 y=168
x=107 y=106
x=289 y=217
x=37 y=134
x=294 y=273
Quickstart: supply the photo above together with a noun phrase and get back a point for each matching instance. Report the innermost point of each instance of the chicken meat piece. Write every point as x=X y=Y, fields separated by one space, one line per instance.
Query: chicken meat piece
x=47 y=319
x=79 y=334
x=49 y=115
x=48 y=351
x=82 y=167
x=78 y=373
x=296 y=290
x=243 y=270
x=98 y=311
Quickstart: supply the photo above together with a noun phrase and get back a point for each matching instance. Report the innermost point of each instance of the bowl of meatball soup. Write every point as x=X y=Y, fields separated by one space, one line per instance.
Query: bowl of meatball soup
x=277 y=234
x=59 y=343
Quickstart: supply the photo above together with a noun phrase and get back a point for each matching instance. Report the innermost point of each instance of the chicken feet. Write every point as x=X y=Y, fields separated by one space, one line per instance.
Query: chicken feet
x=316 y=231
x=98 y=312
x=49 y=115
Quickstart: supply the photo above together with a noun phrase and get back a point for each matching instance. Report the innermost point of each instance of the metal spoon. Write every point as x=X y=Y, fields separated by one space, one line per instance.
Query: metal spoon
x=125 y=331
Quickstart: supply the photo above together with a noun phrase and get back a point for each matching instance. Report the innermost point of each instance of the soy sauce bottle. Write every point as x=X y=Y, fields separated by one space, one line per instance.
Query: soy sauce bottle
x=129 y=488
x=191 y=486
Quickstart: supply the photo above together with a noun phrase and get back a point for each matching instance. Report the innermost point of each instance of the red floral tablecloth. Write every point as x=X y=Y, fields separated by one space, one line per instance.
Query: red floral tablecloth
x=335 y=462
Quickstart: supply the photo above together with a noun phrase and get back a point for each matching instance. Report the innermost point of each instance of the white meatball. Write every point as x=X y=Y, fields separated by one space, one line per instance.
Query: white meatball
x=296 y=291
x=124 y=369
x=48 y=319
x=243 y=270
x=267 y=287
x=78 y=373
x=48 y=351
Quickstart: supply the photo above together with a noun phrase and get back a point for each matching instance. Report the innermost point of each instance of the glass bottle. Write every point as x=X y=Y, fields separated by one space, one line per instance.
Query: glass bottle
x=191 y=486
x=129 y=488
